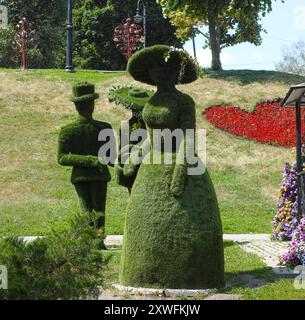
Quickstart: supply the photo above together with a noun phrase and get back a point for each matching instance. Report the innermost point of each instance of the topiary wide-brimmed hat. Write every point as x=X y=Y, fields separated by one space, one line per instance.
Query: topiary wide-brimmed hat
x=161 y=55
x=83 y=91
x=130 y=97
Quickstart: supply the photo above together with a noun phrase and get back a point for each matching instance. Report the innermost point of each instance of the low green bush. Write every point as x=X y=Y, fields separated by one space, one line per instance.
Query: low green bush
x=64 y=265
x=8 y=55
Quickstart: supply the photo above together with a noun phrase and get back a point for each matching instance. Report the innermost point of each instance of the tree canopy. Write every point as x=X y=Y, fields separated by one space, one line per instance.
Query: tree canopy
x=293 y=60
x=228 y=22
x=48 y=20
x=94 y=23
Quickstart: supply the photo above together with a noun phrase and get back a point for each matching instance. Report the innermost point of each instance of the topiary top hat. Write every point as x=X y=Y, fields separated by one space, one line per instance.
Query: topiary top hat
x=83 y=91
x=162 y=55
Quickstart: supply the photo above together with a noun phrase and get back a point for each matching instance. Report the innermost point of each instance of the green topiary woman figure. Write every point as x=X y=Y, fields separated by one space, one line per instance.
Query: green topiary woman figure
x=173 y=232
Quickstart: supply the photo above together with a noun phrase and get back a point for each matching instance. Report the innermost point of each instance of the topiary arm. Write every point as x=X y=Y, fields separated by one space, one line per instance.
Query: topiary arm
x=66 y=158
x=77 y=160
x=135 y=158
x=187 y=121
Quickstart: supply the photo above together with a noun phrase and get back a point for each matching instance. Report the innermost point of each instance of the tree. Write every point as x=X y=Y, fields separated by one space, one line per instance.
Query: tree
x=228 y=22
x=94 y=23
x=48 y=20
x=293 y=59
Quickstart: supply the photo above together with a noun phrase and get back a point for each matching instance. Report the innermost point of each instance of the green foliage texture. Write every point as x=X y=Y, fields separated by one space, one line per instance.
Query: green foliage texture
x=229 y=22
x=65 y=265
x=78 y=144
x=8 y=56
x=173 y=232
x=178 y=62
x=133 y=99
x=48 y=20
x=79 y=147
x=94 y=23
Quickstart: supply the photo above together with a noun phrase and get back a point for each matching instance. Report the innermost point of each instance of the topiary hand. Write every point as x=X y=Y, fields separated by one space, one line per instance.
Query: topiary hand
x=132 y=165
x=101 y=167
x=178 y=180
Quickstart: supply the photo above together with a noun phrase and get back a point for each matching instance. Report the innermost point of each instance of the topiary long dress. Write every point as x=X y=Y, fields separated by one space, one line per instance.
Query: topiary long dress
x=169 y=241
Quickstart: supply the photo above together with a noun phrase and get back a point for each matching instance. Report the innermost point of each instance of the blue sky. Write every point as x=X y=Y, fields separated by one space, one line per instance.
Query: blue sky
x=284 y=25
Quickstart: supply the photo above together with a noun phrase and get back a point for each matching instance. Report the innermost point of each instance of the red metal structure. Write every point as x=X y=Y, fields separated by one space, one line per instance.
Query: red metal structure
x=128 y=37
x=24 y=35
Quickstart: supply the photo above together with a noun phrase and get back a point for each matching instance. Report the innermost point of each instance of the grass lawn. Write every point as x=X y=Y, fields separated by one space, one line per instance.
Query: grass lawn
x=245 y=274
x=35 y=192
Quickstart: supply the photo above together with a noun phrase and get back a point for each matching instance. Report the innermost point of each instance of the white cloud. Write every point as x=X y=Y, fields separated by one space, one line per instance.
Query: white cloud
x=226 y=57
x=256 y=56
x=204 y=57
x=299 y=20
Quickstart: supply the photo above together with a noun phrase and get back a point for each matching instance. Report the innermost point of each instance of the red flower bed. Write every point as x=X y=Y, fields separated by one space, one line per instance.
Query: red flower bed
x=269 y=123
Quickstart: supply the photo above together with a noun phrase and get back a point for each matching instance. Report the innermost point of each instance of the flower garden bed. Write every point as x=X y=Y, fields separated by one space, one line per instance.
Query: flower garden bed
x=268 y=123
x=273 y=124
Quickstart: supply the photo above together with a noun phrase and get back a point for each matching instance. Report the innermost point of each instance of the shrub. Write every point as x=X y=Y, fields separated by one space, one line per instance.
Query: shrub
x=8 y=56
x=65 y=265
x=34 y=58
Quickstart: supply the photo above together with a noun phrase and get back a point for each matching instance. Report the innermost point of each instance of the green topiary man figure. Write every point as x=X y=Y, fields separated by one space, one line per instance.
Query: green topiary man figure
x=173 y=232
x=79 y=147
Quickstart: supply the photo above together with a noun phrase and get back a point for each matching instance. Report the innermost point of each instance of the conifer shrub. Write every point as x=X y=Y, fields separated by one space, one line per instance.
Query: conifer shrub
x=64 y=265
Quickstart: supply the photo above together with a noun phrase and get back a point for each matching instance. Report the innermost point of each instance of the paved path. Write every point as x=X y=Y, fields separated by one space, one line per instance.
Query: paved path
x=259 y=244
x=262 y=245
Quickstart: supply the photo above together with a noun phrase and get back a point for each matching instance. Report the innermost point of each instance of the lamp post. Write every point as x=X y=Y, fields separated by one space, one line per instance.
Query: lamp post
x=138 y=19
x=69 y=53
x=194 y=43
x=296 y=97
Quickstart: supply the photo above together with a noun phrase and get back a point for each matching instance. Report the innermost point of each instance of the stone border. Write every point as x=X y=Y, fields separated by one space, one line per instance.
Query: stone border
x=170 y=293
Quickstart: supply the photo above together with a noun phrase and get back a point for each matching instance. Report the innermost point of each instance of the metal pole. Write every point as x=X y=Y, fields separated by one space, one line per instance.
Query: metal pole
x=69 y=53
x=144 y=25
x=194 y=47
x=299 y=156
x=144 y=20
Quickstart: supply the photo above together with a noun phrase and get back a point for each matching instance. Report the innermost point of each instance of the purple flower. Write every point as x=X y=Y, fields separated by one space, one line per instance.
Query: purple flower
x=285 y=220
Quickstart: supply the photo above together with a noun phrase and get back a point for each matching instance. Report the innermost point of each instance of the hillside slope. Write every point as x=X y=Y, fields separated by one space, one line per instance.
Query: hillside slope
x=36 y=195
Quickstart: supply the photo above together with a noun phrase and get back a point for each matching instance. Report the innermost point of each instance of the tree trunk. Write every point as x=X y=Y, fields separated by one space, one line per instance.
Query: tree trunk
x=214 y=33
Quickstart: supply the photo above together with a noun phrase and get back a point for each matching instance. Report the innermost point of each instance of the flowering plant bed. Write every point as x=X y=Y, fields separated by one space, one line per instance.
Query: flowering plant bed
x=286 y=225
x=268 y=123
x=285 y=220
x=296 y=252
